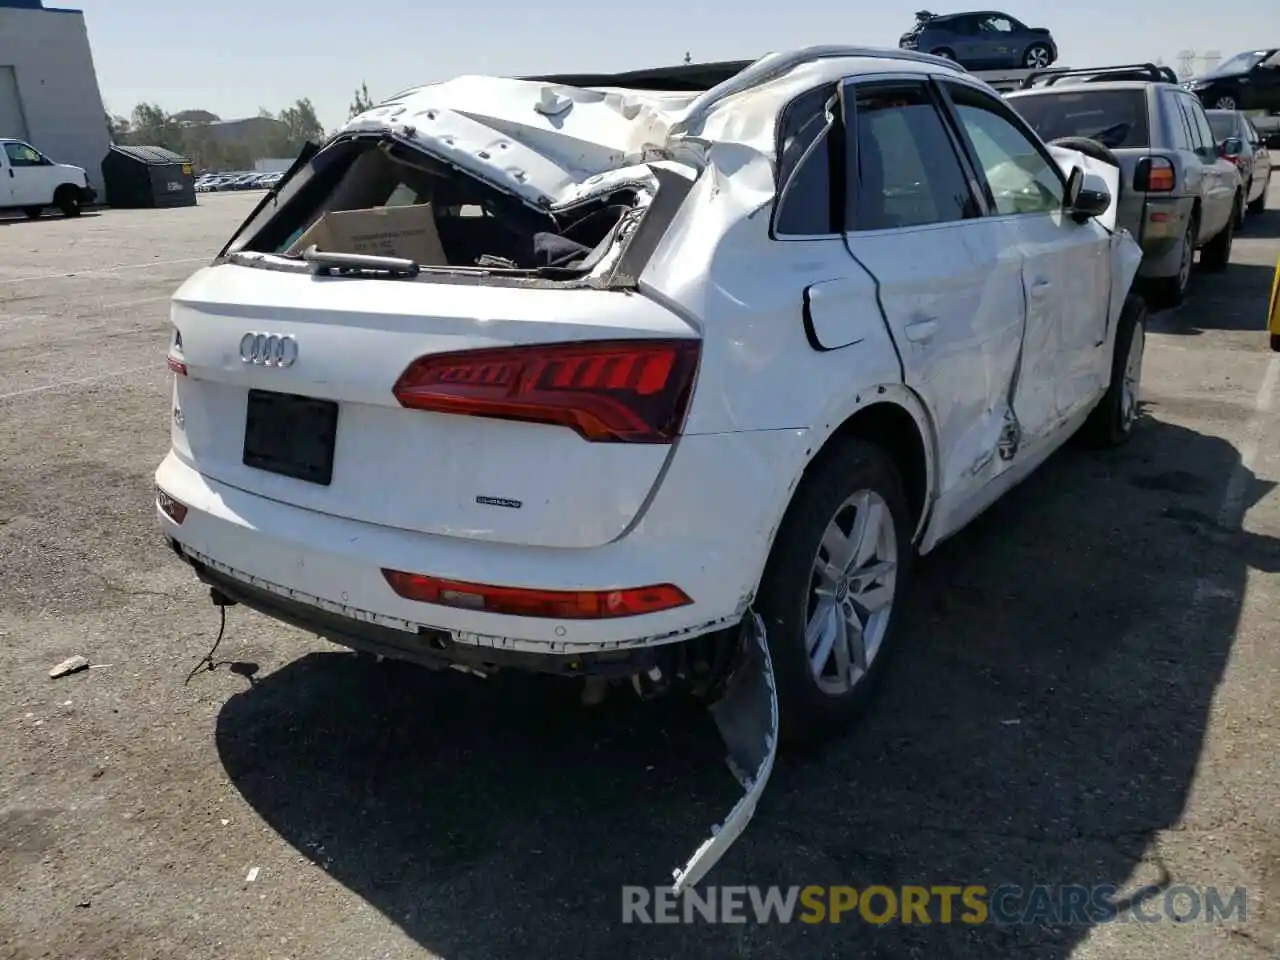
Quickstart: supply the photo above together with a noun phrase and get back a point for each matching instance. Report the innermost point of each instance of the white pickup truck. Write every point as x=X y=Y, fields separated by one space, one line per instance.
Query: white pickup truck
x=30 y=181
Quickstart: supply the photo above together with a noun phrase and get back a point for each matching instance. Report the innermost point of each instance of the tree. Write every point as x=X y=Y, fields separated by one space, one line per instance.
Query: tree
x=117 y=128
x=192 y=134
x=362 y=101
x=151 y=126
x=300 y=125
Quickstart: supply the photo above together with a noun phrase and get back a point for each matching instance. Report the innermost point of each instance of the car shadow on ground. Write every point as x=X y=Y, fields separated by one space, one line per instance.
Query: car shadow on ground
x=13 y=221
x=1235 y=299
x=1041 y=723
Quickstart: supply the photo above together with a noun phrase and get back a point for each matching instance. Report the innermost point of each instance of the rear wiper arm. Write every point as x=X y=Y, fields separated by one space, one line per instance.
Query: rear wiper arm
x=349 y=263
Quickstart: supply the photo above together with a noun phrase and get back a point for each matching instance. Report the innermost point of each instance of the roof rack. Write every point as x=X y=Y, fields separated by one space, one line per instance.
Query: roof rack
x=1124 y=71
x=702 y=77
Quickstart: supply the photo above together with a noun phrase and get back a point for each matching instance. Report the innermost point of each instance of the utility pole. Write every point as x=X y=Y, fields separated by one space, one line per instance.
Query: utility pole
x=1186 y=64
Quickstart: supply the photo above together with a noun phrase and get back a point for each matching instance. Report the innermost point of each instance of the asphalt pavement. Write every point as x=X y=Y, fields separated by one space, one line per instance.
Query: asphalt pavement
x=1086 y=693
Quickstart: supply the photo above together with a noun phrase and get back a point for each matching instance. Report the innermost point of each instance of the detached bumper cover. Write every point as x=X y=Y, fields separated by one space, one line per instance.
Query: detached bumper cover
x=747 y=716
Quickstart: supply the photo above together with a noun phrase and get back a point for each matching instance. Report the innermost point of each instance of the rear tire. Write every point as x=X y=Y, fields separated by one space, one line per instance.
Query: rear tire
x=1242 y=208
x=1112 y=421
x=1260 y=205
x=1037 y=56
x=1172 y=291
x=809 y=600
x=1216 y=254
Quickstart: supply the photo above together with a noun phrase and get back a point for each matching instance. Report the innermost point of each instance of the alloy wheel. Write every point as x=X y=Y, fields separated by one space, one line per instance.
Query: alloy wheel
x=851 y=592
x=1225 y=103
x=1037 y=58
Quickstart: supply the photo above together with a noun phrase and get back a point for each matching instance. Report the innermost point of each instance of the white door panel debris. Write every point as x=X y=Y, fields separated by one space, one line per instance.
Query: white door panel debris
x=747 y=716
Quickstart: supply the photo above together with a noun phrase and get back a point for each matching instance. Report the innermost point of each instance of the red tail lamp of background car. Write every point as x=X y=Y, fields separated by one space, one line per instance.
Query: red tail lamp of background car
x=1154 y=175
x=611 y=391
x=521 y=602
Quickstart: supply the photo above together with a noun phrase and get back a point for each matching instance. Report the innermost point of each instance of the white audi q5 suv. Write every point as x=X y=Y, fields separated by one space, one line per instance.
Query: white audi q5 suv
x=652 y=377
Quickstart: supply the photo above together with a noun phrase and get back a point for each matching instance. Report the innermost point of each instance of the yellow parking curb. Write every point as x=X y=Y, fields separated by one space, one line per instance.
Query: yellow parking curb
x=1273 y=311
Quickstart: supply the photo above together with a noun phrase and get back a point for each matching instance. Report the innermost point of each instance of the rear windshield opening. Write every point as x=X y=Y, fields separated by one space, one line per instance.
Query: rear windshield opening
x=1223 y=124
x=385 y=199
x=1115 y=118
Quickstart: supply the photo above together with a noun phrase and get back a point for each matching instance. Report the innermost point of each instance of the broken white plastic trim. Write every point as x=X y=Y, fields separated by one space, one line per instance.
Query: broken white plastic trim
x=1109 y=175
x=747 y=716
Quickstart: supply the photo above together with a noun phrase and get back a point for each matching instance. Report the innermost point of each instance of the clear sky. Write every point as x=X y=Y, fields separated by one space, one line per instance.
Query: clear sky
x=234 y=56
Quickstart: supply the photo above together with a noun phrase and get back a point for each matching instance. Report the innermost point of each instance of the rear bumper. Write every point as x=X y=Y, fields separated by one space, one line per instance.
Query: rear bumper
x=428 y=647
x=88 y=196
x=707 y=531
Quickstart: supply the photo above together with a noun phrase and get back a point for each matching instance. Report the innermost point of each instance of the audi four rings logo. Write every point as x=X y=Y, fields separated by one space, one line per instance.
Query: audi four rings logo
x=268 y=350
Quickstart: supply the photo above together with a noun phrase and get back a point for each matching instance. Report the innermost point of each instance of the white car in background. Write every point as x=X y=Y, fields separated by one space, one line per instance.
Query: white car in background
x=668 y=385
x=30 y=182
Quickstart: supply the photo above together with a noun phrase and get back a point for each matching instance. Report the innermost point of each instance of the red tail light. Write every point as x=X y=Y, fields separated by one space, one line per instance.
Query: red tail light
x=556 y=604
x=619 y=391
x=176 y=366
x=1154 y=175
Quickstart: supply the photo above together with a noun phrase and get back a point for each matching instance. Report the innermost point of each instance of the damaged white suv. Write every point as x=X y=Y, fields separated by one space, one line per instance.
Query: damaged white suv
x=632 y=381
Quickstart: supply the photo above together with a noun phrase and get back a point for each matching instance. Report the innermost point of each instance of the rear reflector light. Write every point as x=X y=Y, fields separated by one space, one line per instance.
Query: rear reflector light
x=520 y=602
x=175 y=511
x=618 y=391
x=1154 y=175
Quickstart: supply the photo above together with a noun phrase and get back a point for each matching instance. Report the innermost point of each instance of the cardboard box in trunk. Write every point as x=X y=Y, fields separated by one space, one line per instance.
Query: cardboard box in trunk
x=408 y=232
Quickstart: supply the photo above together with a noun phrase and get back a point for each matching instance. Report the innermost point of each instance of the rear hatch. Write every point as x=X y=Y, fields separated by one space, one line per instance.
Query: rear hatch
x=1116 y=118
x=502 y=384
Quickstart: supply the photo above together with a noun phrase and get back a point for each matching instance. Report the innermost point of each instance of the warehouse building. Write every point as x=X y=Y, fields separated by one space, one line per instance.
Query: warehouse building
x=49 y=92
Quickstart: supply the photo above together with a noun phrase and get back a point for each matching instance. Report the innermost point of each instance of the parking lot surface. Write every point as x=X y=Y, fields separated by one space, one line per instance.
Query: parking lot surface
x=1087 y=693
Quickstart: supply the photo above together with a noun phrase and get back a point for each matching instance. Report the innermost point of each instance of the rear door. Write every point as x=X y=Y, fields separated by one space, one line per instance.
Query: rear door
x=1220 y=176
x=966 y=39
x=1066 y=266
x=1000 y=38
x=949 y=279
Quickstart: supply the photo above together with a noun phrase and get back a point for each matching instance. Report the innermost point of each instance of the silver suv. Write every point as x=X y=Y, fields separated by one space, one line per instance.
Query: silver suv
x=1178 y=192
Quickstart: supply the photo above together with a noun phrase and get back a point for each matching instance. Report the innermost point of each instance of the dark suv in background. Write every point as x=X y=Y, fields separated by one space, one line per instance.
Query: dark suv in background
x=981 y=40
x=1247 y=81
x=1178 y=191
